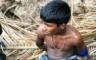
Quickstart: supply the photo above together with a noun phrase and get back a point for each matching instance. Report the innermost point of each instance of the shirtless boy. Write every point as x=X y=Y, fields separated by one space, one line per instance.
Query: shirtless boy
x=59 y=40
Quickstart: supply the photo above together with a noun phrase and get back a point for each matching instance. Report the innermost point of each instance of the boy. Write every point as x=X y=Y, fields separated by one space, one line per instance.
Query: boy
x=63 y=42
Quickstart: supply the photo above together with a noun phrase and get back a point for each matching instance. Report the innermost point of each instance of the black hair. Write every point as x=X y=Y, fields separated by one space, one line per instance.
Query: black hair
x=56 y=11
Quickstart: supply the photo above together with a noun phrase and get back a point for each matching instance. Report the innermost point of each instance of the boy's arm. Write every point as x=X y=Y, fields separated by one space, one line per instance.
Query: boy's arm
x=40 y=40
x=81 y=47
x=0 y=29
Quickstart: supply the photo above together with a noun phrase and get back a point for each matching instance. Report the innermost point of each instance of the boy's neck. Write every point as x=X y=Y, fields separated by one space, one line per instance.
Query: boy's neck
x=61 y=32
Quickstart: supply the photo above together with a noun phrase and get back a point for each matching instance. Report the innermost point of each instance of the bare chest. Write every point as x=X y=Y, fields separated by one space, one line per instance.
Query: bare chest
x=59 y=43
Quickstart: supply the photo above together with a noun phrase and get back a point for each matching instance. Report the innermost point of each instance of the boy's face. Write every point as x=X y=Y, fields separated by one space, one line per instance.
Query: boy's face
x=50 y=28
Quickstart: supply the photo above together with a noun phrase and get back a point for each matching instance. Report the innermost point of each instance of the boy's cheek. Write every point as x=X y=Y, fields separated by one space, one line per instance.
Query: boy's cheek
x=50 y=30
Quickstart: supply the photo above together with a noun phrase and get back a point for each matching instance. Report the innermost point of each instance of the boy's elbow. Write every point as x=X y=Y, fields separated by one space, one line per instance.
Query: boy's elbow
x=39 y=45
x=84 y=53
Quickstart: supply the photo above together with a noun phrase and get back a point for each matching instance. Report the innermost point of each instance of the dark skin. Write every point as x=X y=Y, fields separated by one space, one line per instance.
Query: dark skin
x=61 y=41
x=0 y=29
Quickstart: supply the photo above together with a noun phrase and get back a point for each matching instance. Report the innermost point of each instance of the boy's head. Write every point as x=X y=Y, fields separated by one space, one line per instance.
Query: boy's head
x=56 y=11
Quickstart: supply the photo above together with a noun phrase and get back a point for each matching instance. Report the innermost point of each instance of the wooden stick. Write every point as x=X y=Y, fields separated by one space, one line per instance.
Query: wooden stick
x=21 y=47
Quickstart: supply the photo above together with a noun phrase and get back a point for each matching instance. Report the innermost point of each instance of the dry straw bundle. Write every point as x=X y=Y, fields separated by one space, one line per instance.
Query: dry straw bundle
x=19 y=29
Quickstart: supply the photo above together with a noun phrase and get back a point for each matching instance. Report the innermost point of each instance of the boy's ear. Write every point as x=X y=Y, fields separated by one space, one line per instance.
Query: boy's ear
x=62 y=26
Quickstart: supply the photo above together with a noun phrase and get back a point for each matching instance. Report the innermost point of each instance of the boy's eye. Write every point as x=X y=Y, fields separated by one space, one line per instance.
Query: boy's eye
x=49 y=25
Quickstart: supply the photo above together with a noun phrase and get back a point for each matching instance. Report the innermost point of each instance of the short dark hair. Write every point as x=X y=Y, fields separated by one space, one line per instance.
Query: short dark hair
x=56 y=11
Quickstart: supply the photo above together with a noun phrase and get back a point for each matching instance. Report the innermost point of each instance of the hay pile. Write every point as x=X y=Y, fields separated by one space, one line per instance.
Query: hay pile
x=20 y=19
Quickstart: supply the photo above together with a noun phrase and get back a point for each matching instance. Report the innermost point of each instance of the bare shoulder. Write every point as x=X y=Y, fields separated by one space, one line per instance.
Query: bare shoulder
x=73 y=30
x=77 y=38
x=39 y=32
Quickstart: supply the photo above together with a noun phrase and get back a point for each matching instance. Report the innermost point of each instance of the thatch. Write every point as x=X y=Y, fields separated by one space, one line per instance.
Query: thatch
x=19 y=29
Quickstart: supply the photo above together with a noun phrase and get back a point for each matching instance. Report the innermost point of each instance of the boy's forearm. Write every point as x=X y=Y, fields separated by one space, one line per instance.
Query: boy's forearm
x=43 y=47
